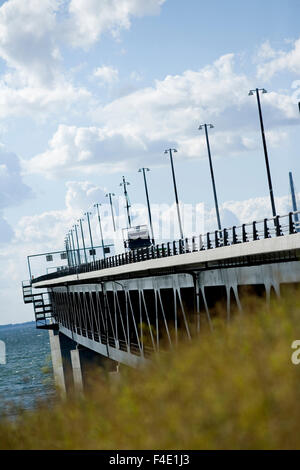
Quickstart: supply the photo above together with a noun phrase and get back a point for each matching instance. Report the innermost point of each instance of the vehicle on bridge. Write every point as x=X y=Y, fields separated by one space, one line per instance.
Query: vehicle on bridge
x=137 y=237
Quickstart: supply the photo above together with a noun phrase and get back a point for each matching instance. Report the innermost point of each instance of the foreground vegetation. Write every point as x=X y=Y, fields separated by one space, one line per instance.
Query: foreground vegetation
x=234 y=389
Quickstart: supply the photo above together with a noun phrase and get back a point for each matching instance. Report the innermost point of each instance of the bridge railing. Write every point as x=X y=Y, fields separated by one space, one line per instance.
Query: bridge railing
x=257 y=230
x=107 y=340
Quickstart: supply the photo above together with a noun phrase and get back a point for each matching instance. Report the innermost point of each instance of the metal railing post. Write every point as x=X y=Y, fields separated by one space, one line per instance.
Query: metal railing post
x=255 y=232
x=266 y=229
x=208 y=242
x=225 y=237
x=234 y=236
x=278 y=227
x=217 y=239
x=244 y=234
x=292 y=228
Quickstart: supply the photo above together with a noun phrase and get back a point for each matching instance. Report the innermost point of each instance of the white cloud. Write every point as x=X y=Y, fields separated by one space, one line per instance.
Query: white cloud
x=81 y=196
x=12 y=189
x=50 y=227
x=89 y=19
x=257 y=208
x=106 y=74
x=266 y=52
x=6 y=231
x=31 y=32
x=40 y=102
x=277 y=61
x=34 y=83
x=73 y=150
x=27 y=38
x=139 y=126
x=136 y=76
x=31 y=35
x=246 y=211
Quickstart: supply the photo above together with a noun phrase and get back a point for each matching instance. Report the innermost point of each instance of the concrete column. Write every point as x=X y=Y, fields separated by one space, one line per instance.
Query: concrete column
x=85 y=363
x=77 y=374
x=73 y=364
x=276 y=286
x=228 y=305
x=115 y=374
x=58 y=370
x=268 y=292
x=61 y=347
x=237 y=297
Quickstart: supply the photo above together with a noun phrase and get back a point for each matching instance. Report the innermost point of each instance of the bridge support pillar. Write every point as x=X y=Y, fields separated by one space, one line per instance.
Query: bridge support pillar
x=87 y=365
x=61 y=346
x=75 y=367
x=77 y=373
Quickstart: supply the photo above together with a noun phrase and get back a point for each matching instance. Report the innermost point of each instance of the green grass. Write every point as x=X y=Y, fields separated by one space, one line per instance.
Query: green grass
x=234 y=389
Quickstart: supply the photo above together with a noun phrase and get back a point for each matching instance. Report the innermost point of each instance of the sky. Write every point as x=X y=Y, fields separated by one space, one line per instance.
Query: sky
x=91 y=90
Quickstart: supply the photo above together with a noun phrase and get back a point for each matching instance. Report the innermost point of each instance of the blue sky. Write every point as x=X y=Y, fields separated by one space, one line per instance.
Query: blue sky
x=94 y=89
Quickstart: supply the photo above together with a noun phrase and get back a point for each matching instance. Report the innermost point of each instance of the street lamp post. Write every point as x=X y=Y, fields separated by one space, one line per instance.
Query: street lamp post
x=67 y=251
x=169 y=151
x=143 y=170
x=90 y=232
x=205 y=126
x=82 y=237
x=77 y=242
x=251 y=93
x=125 y=184
x=100 y=227
x=70 y=249
x=294 y=200
x=73 y=246
x=110 y=195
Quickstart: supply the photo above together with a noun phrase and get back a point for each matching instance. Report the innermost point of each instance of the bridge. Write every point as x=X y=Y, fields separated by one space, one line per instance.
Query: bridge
x=122 y=309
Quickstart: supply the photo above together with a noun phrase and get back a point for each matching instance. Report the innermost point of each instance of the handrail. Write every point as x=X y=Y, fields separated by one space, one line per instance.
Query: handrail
x=257 y=230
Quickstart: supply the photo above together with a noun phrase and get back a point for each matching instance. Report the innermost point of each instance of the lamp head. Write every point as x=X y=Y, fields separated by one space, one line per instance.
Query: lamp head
x=250 y=93
x=264 y=90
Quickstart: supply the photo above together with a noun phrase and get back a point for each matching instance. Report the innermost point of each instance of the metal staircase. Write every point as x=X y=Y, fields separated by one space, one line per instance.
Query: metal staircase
x=44 y=315
x=27 y=292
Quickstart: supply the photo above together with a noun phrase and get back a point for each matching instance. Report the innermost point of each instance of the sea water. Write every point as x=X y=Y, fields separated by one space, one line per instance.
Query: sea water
x=26 y=378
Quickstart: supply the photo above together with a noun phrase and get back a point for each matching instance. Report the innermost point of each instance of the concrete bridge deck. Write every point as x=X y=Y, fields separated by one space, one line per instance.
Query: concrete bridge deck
x=186 y=262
